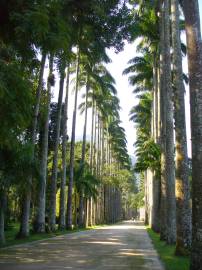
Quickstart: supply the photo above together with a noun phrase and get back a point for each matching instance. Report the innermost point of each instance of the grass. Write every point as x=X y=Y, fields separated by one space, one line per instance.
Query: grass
x=11 y=232
x=167 y=253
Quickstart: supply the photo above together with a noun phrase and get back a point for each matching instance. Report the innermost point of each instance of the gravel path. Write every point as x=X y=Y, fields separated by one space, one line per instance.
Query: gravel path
x=117 y=247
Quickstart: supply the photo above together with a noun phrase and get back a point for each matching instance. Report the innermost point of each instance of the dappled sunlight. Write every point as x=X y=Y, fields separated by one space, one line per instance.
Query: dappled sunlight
x=131 y=254
x=112 y=247
x=128 y=225
x=137 y=252
x=105 y=243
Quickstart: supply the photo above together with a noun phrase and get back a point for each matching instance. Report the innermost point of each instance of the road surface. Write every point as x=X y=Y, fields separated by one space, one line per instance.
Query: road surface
x=117 y=247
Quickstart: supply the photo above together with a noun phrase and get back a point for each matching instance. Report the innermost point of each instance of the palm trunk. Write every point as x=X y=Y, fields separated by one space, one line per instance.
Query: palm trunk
x=194 y=50
x=64 y=154
x=98 y=146
x=170 y=166
x=53 y=184
x=82 y=164
x=102 y=171
x=155 y=179
x=92 y=135
x=183 y=240
x=39 y=224
x=163 y=212
x=97 y=170
x=91 y=158
x=25 y=215
x=87 y=213
x=94 y=144
x=146 y=198
x=72 y=148
x=156 y=203
x=94 y=165
x=2 y=217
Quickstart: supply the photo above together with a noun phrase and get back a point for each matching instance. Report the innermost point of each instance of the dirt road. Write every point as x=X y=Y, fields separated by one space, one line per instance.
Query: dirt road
x=117 y=247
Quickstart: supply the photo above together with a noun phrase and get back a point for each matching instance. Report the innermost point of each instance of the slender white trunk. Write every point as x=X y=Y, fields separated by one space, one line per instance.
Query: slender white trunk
x=82 y=164
x=53 y=184
x=39 y=224
x=64 y=154
x=72 y=148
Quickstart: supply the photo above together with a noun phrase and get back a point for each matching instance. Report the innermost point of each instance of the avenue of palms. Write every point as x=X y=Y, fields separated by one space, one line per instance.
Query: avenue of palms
x=51 y=182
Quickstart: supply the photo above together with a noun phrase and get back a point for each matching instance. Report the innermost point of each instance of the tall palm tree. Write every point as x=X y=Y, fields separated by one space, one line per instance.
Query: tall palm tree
x=24 y=225
x=194 y=51
x=183 y=214
x=39 y=223
x=62 y=220
x=143 y=76
x=101 y=84
x=163 y=208
x=53 y=184
x=71 y=165
x=82 y=163
x=2 y=216
x=170 y=166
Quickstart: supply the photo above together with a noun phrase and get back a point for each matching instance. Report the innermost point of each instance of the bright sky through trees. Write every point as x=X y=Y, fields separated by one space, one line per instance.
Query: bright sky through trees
x=127 y=98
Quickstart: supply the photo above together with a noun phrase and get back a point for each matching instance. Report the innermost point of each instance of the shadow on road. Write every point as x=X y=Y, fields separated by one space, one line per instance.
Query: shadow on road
x=121 y=246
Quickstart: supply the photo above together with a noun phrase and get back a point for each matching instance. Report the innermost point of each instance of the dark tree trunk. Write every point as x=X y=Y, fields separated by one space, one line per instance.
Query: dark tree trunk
x=2 y=216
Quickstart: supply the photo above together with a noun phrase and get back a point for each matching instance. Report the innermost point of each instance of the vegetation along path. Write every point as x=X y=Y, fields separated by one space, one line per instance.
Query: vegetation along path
x=122 y=246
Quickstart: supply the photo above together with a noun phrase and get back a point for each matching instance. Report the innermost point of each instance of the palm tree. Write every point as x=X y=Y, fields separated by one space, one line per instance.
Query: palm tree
x=183 y=214
x=39 y=222
x=64 y=154
x=82 y=163
x=52 y=207
x=194 y=51
x=163 y=213
x=2 y=215
x=101 y=82
x=71 y=166
x=143 y=75
x=147 y=151
x=24 y=226
x=43 y=39
x=170 y=166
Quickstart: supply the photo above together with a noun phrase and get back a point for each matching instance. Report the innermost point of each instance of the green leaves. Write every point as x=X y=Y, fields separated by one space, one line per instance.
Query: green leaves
x=147 y=151
x=141 y=72
x=148 y=155
x=15 y=102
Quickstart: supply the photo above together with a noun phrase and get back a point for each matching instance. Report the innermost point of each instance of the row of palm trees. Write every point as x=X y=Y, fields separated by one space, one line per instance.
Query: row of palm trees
x=67 y=39
x=161 y=145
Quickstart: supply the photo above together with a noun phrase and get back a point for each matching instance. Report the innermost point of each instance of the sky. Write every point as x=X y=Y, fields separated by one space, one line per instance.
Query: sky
x=124 y=89
x=127 y=98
